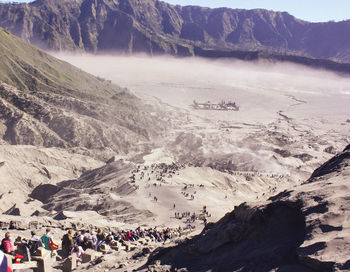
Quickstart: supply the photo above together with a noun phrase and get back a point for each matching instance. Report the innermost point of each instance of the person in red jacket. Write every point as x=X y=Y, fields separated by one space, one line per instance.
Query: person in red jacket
x=6 y=244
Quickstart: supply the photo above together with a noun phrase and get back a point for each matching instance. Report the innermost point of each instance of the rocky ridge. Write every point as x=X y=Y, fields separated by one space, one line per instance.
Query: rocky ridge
x=156 y=27
x=47 y=102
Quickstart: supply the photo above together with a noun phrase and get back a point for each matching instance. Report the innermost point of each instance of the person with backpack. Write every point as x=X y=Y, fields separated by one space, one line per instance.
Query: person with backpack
x=46 y=238
x=6 y=244
x=34 y=243
x=48 y=242
x=67 y=243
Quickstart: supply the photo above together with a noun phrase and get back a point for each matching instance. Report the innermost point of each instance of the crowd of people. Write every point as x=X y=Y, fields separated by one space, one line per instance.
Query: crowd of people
x=158 y=170
x=80 y=241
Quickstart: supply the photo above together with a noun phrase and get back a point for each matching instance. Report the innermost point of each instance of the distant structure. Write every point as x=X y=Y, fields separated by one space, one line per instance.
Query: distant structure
x=223 y=105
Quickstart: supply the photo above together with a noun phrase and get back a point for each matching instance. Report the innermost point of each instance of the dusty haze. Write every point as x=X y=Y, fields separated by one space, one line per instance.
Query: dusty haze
x=260 y=88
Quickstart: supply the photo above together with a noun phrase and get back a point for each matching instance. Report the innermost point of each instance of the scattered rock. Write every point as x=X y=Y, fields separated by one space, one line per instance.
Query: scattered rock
x=111 y=160
x=36 y=213
x=60 y=216
x=18 y=225
x=283 y=153
x=34 y=225
x=4 y=225
x=13 y=211
x=304 y=157
x=330 y=150
x=47 y=173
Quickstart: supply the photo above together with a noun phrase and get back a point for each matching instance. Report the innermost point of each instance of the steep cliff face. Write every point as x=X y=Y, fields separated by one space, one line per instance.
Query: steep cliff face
x=86 y=25
x=156 y=27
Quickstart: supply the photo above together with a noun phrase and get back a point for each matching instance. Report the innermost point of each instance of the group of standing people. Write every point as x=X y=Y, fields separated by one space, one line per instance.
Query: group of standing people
x=8 y=246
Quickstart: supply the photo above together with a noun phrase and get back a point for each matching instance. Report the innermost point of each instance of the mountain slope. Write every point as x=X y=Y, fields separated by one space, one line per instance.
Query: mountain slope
x=304 y=229
x=156 y=27
x=47 y=102
x=102 y=190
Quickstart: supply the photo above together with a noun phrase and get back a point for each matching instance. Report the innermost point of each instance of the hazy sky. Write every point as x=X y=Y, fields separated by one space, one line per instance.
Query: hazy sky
x=310 y=10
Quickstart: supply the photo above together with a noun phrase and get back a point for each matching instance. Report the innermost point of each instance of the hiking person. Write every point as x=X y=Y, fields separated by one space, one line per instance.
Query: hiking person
x=6 y=244
x=67 y=243
x=45 y=239
x=48 y=242
x=34 y=243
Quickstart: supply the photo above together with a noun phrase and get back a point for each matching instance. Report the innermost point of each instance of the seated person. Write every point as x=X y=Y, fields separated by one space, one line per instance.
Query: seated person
x=78 y=251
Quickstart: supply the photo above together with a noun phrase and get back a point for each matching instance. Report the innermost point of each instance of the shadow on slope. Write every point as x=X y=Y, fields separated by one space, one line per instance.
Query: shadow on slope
x=335 y=164
x=244 y=240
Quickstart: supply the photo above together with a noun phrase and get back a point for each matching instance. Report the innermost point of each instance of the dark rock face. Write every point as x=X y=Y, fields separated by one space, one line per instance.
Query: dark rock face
x=243 y=240
x=155 y=27
x=336 y=164
x=44 y=192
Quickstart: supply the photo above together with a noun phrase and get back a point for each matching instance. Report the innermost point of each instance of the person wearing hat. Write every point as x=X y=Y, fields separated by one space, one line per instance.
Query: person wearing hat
x=34 y=243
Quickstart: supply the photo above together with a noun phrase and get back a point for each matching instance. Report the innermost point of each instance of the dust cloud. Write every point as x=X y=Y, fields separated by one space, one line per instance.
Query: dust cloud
x=260 y=88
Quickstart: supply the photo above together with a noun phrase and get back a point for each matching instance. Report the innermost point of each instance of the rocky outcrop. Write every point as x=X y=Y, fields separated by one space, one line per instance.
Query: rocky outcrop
x=337 y=164
x=156 y=27
x=243 y=240
x=62 y=121
x=304 y=229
